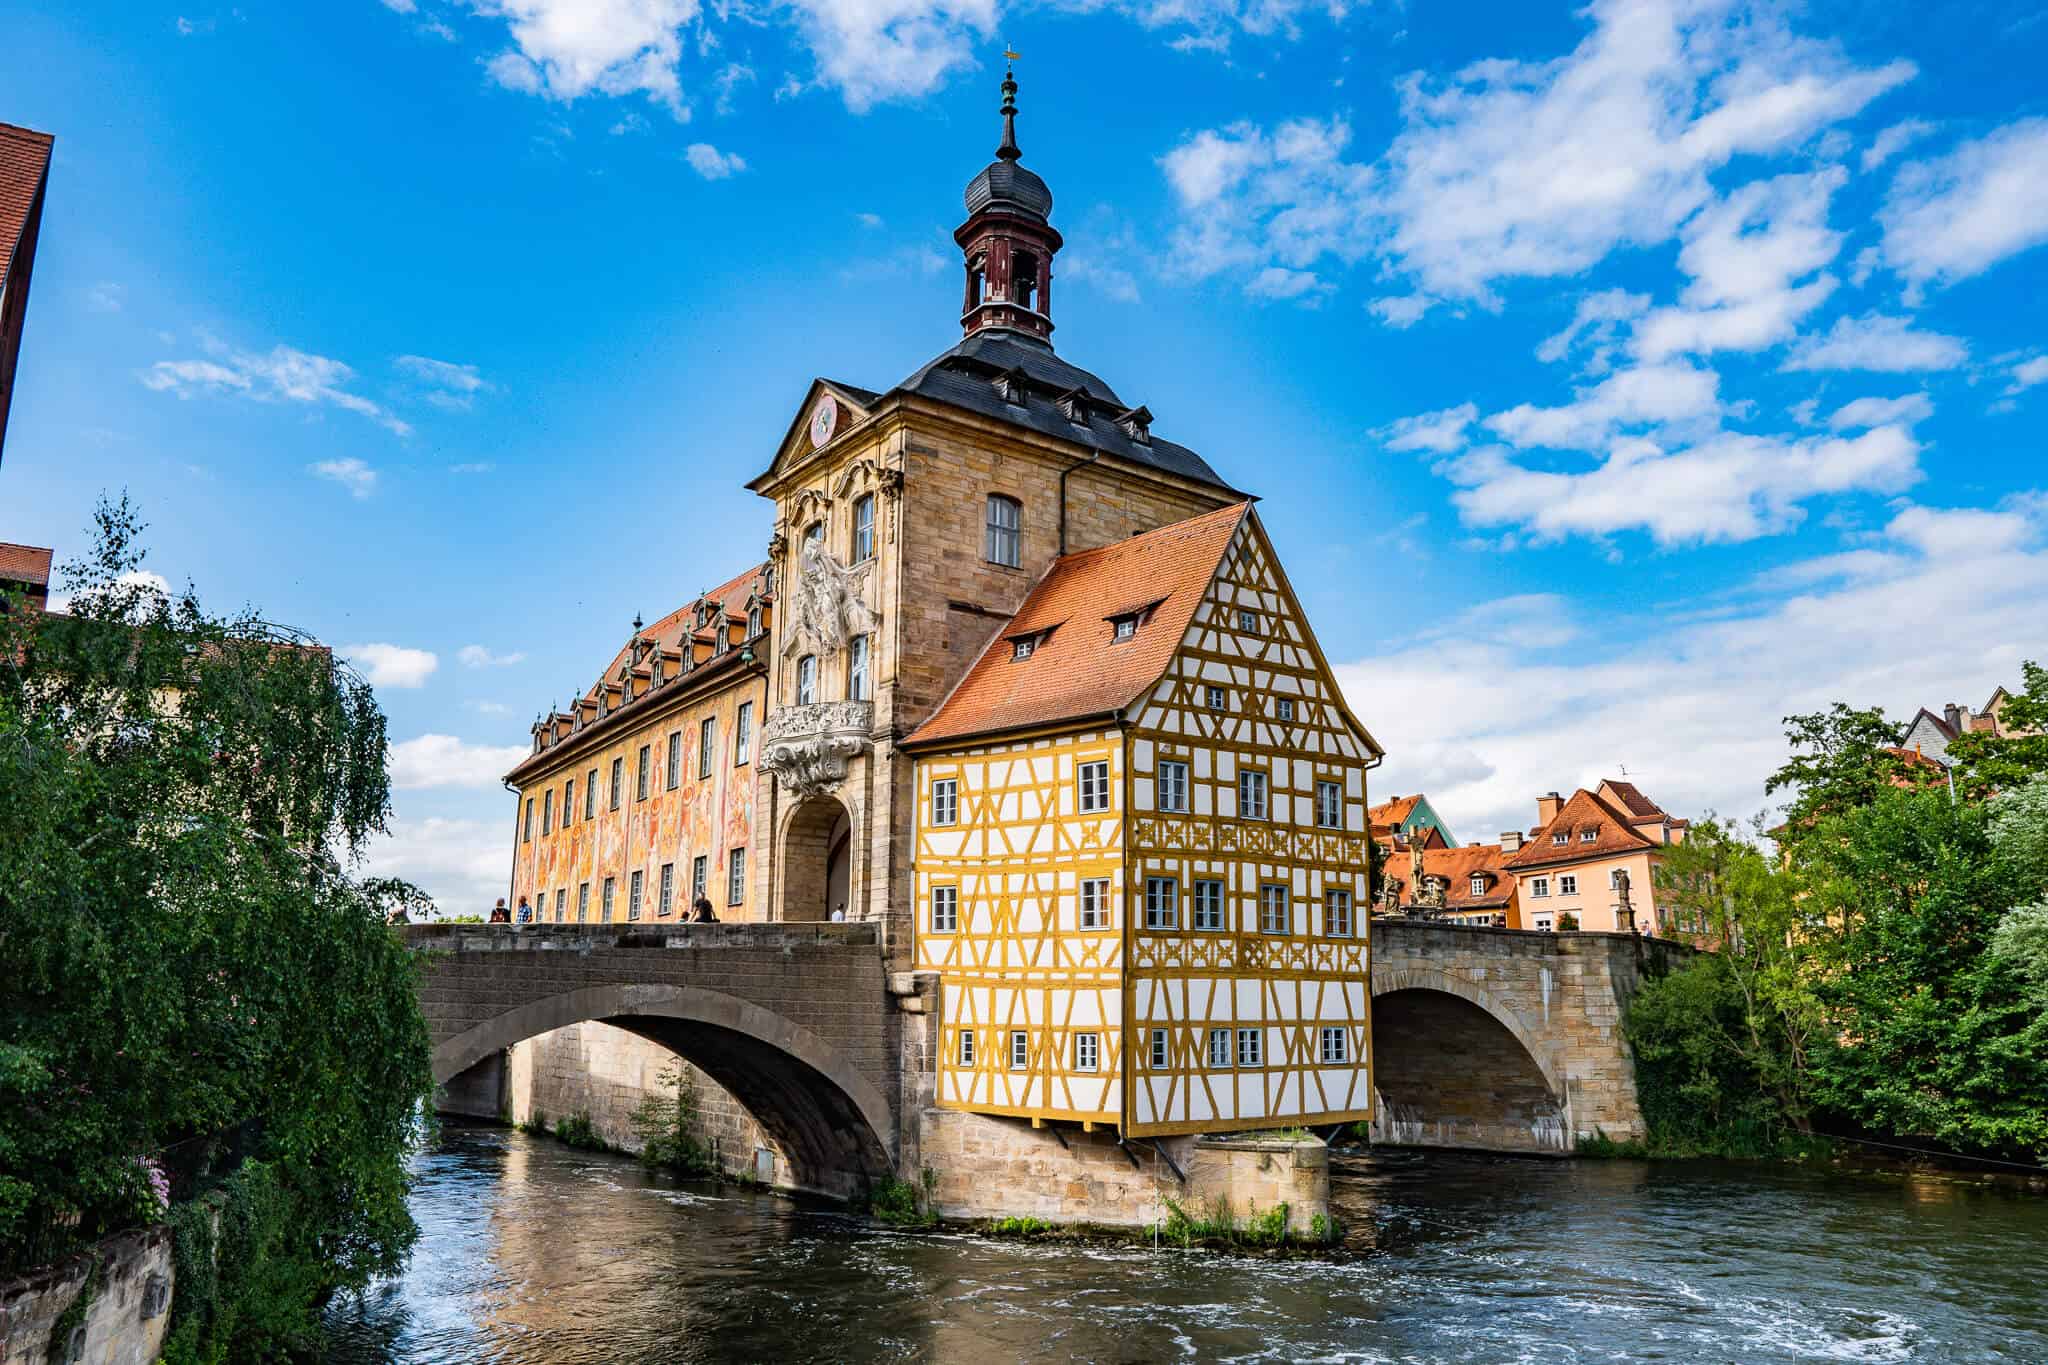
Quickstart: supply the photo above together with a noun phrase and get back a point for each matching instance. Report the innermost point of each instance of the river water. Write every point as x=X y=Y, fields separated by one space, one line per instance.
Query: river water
x=533 y=1252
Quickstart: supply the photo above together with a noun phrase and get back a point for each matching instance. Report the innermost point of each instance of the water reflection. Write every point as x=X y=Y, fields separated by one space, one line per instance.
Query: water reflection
x=535 y=1253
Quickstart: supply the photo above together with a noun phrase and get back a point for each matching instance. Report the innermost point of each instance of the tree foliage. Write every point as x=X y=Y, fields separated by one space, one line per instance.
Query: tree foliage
x=1987 y=764
x=1840 y=761
x=181 y=797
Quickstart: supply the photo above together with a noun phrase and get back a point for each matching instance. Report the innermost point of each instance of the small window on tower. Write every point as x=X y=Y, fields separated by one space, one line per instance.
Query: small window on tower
x=1024 y=279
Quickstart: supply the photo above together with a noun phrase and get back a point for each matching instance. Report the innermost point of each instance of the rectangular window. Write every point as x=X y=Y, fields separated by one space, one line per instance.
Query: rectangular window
x=611 y=885
x=590 y=795
x=561 y=903
x=1283 y=708
x=807 y=680
x=1587 y=836
x=967 y=1047
x=668 y=891
x=633 y=895
x=1335 y=1047
x=743 y=735
x=1095 y=902
x=1248 y=621
x=1093 y=779
x=1159 y=1050
x=945 y=909
x=945 y=801
x=618 y=782
x=547 y=810
x=1087 y=1051
x=1123 y=628
x=864 y=528
x=857 y=668
x=1330 y=805
x=1251 y=795
x=1173 y=786
x=1250 y=1046
x=675 y=759
x=707 y=744
x=583 y=902
x=1219 y=1047
x=1560 y=839
x=1020 y=1049
x=1022 y=649
x=1479 y=886
x=1543 y=924
x=1004 y=544
x=700 y=870
x=1272 y=909
x=1540 y=886
x=568 y=800
x=526 y=829
x=1568 y=884
x=736 y=877
x=1208 y=905
x=1162 y=903
x=644 y=774
x=1218 y=699
x=1337 y=914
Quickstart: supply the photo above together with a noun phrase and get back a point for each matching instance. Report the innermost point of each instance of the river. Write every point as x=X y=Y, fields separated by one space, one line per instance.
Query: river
x=533 y=1252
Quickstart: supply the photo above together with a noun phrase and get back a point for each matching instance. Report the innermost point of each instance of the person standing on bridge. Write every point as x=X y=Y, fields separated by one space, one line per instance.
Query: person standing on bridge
x=499 y=914
x=525 y=911
x=703 y=913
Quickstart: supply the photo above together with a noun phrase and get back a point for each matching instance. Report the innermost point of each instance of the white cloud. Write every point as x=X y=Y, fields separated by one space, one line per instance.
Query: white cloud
x=447 y=384
x=1595 y=324
x=1948 y=219
x=1105 y=278
x=1693 y=708
x=1879 y=343
x=1892 y=141
x=463 y=864
x=480 y=656
x=707 y=161
x=358 y=478
x=565 y=49
x=1278 y=282
x=393 y=665
x=1401 y=310
x=489 y=708
x=1525 y=169
x=1440 y=432
x=445 y=761
x=105 y=297
x=1646 y=395
x=281 y=374
x=2028 y=373
x=1876 y=412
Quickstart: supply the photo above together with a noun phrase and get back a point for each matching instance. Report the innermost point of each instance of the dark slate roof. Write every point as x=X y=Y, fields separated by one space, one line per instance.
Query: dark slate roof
x=964 y=378
x=1008 y=184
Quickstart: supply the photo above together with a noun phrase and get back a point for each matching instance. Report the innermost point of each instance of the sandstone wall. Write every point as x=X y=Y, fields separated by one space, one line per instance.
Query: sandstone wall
x=125 y=1321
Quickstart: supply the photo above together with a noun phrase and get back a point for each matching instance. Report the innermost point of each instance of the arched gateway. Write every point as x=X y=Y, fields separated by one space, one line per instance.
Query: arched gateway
x=789 y=1019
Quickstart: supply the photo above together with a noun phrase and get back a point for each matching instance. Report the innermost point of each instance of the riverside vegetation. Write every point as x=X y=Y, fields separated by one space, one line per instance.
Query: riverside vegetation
x=204 y=1018
x=1883 y=974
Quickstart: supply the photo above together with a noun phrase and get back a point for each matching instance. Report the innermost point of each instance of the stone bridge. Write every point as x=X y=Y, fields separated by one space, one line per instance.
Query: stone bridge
x=793 y=1019
x=1504 y=1040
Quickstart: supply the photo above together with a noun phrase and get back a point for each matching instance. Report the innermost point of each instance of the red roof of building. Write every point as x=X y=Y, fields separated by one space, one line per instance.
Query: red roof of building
x=1456 y=866
x=28 y=564
x=1075 y=671
x=24 y=164
x=1393 y=811
x=1613 y=831
x=673 y=630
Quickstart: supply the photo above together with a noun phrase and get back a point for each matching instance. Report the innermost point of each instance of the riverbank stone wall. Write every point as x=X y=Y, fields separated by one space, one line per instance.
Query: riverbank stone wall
x=124 y=1321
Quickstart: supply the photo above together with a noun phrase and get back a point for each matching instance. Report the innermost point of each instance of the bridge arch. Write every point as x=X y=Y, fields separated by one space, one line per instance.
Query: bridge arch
x=1456 y=1066
x=830 y=1121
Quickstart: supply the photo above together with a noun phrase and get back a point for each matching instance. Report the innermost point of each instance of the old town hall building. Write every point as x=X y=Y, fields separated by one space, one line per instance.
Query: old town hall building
x=1025 y=683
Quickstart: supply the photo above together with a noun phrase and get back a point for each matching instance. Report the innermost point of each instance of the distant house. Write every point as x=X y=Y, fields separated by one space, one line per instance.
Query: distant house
x=1404 y=818
x=1583 y=853
x=24 y=176
x=1467 y=885
x=25 y=569
x=1931 y=735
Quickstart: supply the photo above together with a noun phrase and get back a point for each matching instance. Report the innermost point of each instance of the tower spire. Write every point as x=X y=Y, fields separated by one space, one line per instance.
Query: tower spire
x=1008 y=238
x=1009 y=151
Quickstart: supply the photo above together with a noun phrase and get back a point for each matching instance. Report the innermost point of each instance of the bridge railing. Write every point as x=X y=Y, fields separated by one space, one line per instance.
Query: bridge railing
x=472 y=938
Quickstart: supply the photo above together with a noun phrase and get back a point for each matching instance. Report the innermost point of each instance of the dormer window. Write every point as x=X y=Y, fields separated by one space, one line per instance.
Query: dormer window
x=1009 y=386
x=1136 y=423
x=1022 y=649
x=1123 y=628
x=1560 y=839
x=1073 y=405
x=1479 y=884
x=1589 y=834
x=753 y=622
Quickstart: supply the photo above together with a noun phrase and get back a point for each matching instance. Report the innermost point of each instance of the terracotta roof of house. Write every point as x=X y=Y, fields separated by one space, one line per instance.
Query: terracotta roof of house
x=1613 y=828
x=1392 y=811
x=24 y=163
x=672 y=630
x=1456 y=866
x=24 y=563
x=1075 y=671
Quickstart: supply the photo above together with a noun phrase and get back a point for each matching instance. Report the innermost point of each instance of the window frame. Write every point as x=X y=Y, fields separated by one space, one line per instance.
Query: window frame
x=1330 y=803
x=643 y=780
x=700 y=878
x=1098 y=914
x=583 y=902
x=1567 y=883
x=1217 y=698
x=1209 y=900
x=1268 y=906
x=1158 y=1050
x=1220 y=1058
x=1334 y=1033
x=1255 y=1054
x=1162 y=903
x=1264 y=789
x=1087 y=1051
x=743 y=735
x=946 y=815
x=859 y=663
x=945 y=910
x=675 y=759
x=561 y=903
x=807 y=680
x=1283 y=710
x=1020 y=1049
x=864 y=528
x=998 y=535
x=1539 y=888
x=963 y=1048
x=611 y=899
x=635 y=890
x=707 y=745
x=736 y=877
x=1336 y=924
x=1097 y=767
x=526 y=825
x=1478 y=884
x=590 y=795
x=1248 y=621
x=666 y=905
x=1178 y=768
x=618 y=781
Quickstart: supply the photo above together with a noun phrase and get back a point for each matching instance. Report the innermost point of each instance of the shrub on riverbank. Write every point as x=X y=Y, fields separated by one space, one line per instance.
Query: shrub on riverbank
x=579 y=1132
x=189 y=961
x=666 y=1121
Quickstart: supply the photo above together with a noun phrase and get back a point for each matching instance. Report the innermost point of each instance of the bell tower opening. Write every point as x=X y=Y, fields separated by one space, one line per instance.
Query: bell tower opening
x=1008 y=239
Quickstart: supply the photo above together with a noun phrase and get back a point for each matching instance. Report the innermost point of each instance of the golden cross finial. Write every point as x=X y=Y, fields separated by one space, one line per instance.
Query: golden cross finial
x=1013 y=56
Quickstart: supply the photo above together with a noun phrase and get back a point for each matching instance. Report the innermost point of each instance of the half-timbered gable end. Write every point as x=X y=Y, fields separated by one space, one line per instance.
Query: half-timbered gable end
x=1141 y=866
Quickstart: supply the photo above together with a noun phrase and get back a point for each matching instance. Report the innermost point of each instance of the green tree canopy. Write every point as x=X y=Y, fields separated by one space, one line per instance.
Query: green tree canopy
x=1987 y=764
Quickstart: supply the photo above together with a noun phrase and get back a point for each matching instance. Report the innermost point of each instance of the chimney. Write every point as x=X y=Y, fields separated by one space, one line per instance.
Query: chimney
x=1510 y=840
x=1953 y=714
x=1547 y=807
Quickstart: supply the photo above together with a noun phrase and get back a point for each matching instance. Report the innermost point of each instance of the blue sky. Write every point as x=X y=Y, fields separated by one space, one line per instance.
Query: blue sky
x=1617 y=380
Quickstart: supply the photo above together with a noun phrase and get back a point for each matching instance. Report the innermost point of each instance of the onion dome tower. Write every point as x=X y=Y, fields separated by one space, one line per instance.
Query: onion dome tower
x=1007 y=239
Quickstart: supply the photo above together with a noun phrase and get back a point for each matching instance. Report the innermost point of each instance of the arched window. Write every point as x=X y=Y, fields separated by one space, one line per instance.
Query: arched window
x=753 y=622
x=807 y=680
x=864 y=528
x=1004 y=542
x=857 y=668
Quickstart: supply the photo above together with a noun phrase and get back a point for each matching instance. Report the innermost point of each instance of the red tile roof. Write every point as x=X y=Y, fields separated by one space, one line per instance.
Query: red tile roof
x=24 y=564
x=670 y=632
x=1613 y=829
x=1456 y=867
x=24 y=163
x=1392 y=811
x=1075 y=671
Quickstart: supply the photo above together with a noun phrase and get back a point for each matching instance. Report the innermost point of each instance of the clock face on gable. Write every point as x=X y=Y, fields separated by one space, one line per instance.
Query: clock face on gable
x=824 y=421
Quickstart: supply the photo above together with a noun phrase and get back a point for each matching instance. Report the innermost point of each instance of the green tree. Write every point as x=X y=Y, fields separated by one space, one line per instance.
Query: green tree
x=2019 y=830
x=188 y=953
x=1986 y=764
x=1840 y=761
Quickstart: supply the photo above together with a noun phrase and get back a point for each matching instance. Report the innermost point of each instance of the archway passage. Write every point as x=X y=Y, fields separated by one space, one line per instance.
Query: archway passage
x=816 y=867
x=826 y=1117
x=1451 y=1074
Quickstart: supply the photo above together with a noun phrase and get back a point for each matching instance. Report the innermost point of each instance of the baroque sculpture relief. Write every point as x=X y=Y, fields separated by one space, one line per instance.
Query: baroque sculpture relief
x=829 y=606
